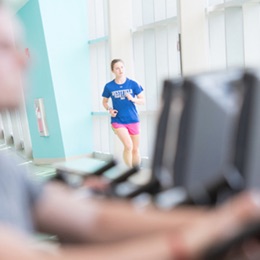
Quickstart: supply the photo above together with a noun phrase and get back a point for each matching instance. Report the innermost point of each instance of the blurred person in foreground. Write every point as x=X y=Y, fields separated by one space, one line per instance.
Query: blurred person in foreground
x=95 y=229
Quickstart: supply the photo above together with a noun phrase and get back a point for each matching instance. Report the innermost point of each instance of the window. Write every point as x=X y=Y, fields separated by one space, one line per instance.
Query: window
x=234 y=34
x=156 y=57
x=99 y=71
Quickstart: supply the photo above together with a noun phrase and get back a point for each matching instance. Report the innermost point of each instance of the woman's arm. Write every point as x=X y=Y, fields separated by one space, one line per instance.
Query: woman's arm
x=139 y=99
x=111 y=111
x=157 y=246
x=61 y=212
x=186 y=242
x=13 y=245
x=105 y=103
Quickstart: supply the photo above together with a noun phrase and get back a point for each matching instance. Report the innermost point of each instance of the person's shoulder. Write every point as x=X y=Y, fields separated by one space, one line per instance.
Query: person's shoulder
x=110 y=86
x=134 y=83
x=131 y=80
x=10 y=165
x=110 y=83
x=8 y=159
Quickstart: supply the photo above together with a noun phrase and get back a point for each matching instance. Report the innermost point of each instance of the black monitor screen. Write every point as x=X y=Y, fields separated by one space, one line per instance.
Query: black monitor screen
x=197 y=128
x=247 y=158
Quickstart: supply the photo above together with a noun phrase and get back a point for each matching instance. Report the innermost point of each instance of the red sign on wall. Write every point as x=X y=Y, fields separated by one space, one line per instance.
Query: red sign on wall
x=27 y=52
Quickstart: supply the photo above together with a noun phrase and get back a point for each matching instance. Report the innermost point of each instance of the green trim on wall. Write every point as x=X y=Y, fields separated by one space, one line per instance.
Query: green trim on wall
x=98 y=40
x=65 y=25
x=57 y=39
x=40 y=85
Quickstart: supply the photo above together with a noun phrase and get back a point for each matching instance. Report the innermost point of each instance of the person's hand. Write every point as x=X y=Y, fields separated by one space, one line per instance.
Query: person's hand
x=96 y=183
x=113 y=112
x=129 y=97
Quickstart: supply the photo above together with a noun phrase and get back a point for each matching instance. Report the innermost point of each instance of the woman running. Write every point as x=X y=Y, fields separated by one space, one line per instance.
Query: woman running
x=125 y=94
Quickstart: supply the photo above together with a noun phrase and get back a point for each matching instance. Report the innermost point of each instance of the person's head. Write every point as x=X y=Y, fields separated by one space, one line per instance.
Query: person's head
x=118 y=68
x=12 y=60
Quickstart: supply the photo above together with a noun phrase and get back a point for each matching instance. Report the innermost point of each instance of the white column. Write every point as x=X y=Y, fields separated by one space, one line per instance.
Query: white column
x=251 y=23
x=217 y=40
x=120 y=38
x=234 y=36
x=121 y=45
x=25 y=130
x=6 y=126
x=15 y=129
x=194 y=36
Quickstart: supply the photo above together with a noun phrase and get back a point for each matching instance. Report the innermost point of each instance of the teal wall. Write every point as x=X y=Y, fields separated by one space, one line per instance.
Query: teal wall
x=57 y=37
x=40 y=85
x=65 y=25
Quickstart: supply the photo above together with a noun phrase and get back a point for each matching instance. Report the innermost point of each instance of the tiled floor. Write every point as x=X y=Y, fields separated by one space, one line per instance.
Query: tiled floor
x=41 y=171
x=84 y=164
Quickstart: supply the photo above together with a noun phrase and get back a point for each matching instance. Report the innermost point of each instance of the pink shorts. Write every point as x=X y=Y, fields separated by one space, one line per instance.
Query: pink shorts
x=133 y=129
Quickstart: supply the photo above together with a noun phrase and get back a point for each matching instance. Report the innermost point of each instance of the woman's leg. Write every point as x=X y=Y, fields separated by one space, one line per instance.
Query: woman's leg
x=136 y=159
x=125 y=138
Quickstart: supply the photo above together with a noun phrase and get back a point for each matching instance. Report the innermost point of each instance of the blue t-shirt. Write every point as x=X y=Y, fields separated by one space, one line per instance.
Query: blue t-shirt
x=127 y=113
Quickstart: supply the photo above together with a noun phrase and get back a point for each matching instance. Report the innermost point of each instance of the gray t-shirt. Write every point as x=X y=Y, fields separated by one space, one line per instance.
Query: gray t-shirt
x=18 y=194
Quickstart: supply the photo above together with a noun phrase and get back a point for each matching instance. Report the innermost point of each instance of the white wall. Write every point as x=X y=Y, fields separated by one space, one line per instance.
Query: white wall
x=120 y=38
x=194 y=36
x=144 y=33
x=234 y=33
